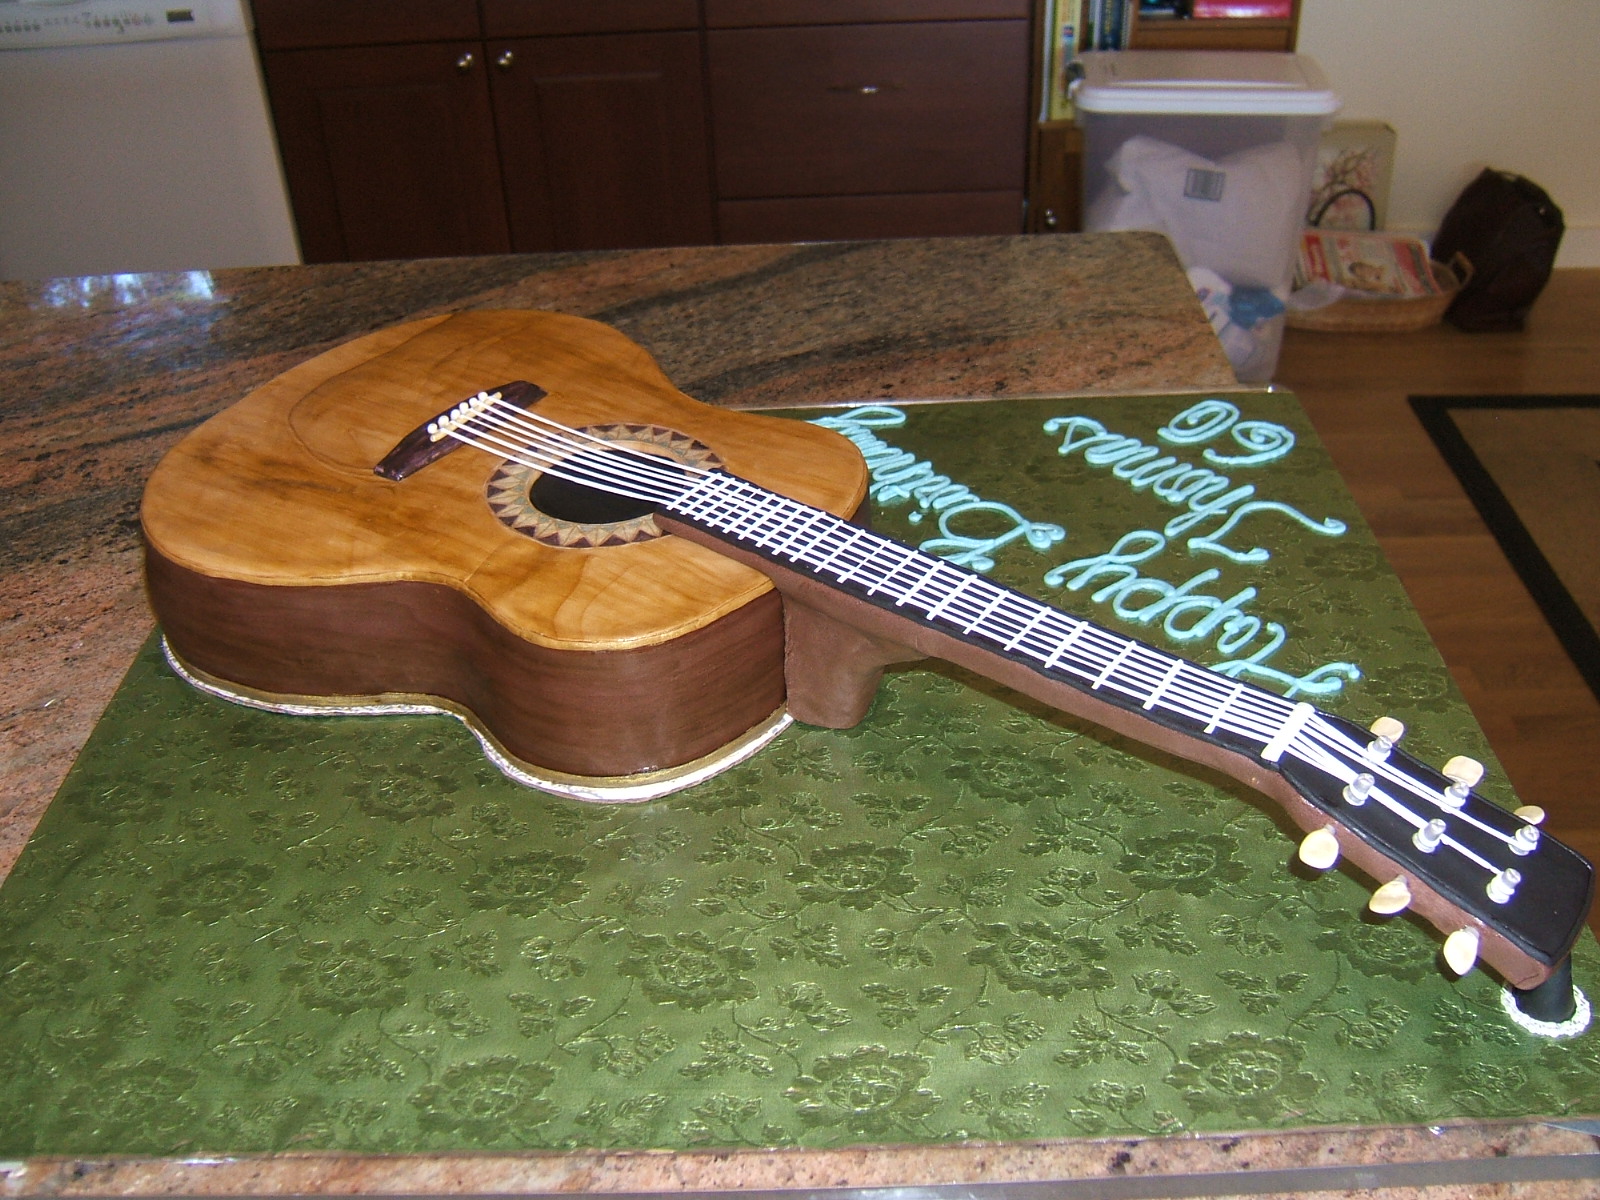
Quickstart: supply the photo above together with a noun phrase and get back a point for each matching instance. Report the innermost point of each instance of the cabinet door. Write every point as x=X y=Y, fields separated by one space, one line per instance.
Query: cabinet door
x=603 y=141
x=937 y=106
x=389 y=151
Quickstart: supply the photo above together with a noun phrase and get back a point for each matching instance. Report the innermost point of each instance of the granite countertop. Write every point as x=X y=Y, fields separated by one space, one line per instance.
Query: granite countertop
x=100 y=376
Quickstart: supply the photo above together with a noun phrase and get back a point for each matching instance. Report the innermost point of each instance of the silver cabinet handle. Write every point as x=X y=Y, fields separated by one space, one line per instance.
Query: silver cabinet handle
x=504 y=60
x=464 y=63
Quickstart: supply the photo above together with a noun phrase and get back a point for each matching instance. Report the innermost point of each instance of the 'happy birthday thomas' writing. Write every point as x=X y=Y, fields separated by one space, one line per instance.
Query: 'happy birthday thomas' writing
x=1133 y=577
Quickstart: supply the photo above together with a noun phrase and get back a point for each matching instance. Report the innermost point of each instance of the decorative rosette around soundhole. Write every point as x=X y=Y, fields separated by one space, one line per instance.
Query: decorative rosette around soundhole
x=557 y=512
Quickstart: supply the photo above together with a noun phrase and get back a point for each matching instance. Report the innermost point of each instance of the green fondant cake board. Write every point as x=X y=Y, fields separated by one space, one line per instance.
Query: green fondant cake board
x=966 y=918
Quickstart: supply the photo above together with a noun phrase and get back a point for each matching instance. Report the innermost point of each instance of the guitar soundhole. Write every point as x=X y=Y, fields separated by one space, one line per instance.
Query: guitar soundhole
x=557 y=512
x=562 y=500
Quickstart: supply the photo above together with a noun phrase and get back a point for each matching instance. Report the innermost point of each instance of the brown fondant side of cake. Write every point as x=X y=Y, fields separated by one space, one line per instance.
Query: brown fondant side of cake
x=602 y=713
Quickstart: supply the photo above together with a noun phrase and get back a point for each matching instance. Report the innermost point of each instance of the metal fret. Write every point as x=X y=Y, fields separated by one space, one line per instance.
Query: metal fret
x=939 y=608
x=1111 y=666
x=934 y=569
x=907 y=557
x=998 y=600
x=1216 y=717
x=1039 y=614
x=1164 y=683
x=852 y=536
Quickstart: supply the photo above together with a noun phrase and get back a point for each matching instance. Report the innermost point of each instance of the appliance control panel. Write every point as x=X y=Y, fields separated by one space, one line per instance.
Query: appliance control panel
x=26 y=24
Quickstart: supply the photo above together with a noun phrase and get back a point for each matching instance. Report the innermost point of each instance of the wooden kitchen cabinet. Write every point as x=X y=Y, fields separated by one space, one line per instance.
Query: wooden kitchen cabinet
x=500 y=143
x=533 y=18
x=432 y=127
x=389 y=151
x=313 y=24
x=734 y=14
x=883 y=127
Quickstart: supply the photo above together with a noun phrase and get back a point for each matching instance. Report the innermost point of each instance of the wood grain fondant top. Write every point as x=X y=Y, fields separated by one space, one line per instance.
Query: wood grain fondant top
x=280 y=489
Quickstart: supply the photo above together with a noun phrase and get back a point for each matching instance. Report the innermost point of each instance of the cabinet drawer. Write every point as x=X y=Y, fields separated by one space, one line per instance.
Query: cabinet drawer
x=845 y=218
x=851 y=109
x=532 y=18
x=297 y=24
x=744 y=14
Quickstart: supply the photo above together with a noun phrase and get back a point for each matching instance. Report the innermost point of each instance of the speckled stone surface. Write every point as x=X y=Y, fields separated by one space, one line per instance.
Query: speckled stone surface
x=1436 y=1163
x=98 y=377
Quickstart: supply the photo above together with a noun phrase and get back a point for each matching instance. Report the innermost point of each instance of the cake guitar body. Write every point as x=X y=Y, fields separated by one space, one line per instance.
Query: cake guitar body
x=604 y=661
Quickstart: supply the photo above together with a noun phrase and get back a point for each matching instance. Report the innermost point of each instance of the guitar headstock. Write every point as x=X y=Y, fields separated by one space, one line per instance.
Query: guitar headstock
x=1491 y=880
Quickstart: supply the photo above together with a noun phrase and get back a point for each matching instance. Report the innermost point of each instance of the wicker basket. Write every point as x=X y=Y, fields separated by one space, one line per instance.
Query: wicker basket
x=1382 y=314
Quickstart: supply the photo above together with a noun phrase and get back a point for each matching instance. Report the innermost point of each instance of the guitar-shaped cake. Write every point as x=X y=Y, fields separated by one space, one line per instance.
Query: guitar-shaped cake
x=623 y=591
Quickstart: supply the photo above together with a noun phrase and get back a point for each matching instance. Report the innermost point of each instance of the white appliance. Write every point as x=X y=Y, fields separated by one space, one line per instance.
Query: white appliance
x=134 y=136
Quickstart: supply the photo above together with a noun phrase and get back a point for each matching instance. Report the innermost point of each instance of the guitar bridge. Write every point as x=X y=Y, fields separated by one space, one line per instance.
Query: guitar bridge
x=421 y=446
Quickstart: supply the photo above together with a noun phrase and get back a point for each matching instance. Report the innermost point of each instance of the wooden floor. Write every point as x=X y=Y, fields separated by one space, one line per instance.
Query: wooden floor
x=1542 y=720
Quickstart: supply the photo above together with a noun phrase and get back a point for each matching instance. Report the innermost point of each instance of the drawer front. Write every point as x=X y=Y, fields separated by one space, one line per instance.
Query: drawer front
x=856 y=109
x=306 y=24
x=744 y=14
x=533 y=18
x=847 y=218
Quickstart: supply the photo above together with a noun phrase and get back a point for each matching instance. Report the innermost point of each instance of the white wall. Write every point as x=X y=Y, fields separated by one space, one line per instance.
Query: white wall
x=1513 y=84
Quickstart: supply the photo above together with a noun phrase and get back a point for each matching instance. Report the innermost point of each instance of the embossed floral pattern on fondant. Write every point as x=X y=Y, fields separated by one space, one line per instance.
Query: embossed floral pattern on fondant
x=968 y=918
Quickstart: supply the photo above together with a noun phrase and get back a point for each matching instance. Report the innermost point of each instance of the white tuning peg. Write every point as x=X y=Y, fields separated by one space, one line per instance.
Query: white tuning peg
x=1504 y=885
x=1386 y=731
x=1464 y=774
x=1531 y=813
x=1359 y=788
x=1391 y=898
x=1461 y=950
x=1428 y=838
x=1319 y=848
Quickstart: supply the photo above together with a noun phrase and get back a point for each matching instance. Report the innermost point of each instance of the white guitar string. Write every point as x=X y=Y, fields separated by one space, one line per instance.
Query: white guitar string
x=619 y=469
x=643 y=476
x=991 y=617
x=763 y=518
x=646 y=476
x=1324 y=737
x=1319 y=755
x=991 y=604
x=991 y=600
x=1310 y=751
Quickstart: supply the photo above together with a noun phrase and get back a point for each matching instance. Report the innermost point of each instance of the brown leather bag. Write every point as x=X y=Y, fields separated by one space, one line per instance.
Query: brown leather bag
x=1509 y=229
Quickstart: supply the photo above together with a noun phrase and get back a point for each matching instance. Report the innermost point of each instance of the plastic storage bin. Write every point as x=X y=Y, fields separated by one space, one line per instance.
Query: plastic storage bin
x=1215 y=149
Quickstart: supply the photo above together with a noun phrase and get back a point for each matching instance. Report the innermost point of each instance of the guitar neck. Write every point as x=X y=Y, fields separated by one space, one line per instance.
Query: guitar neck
x=996 y=619
x=1466 y=864
x=855 y=601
